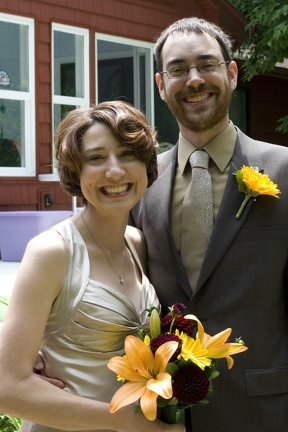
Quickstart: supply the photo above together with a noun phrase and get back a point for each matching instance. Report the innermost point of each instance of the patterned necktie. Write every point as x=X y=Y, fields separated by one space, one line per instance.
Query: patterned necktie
x=197 y=216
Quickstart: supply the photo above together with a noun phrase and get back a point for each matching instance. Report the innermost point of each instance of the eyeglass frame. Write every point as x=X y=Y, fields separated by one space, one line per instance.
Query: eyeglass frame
x=197 y=67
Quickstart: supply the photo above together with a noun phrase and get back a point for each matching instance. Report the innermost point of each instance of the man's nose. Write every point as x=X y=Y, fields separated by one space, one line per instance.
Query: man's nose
x=194 y=76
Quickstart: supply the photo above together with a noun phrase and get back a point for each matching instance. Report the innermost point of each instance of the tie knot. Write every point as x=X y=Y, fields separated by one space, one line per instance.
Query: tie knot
x=199 y=159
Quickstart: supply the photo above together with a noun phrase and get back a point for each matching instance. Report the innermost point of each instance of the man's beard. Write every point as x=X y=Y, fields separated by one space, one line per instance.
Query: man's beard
x=200 y=119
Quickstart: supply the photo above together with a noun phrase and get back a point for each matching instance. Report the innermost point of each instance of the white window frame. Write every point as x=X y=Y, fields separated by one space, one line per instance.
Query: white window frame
x=149 y=88
x=29 y=170
x=79 y=102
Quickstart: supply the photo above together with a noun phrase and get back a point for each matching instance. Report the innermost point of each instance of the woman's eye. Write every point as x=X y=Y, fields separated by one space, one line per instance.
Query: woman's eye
x=128 y=154
x=95 y=158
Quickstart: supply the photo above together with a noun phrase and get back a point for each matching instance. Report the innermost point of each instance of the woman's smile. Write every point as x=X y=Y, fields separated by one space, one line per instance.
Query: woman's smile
x=113 y=190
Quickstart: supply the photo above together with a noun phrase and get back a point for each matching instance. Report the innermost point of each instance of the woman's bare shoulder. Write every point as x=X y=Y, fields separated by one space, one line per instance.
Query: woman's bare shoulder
x=137 y=238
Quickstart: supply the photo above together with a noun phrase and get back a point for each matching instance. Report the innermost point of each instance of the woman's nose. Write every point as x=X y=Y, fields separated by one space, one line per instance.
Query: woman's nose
x=114 y=168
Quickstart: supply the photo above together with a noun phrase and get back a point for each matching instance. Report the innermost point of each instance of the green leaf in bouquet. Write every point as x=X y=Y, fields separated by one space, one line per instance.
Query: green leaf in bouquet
x=172 y=368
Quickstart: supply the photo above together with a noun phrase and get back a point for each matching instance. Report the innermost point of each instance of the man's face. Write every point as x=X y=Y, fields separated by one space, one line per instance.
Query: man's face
x=199 y=102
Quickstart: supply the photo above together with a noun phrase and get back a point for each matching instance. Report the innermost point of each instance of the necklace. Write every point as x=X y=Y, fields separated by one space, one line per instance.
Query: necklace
x=120 y=276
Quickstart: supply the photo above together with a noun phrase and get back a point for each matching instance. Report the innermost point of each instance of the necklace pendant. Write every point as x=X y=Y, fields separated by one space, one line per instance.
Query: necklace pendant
x=121 y=280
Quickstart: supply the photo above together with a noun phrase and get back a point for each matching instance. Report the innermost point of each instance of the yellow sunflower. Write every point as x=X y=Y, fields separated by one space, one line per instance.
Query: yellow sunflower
x=253 y=183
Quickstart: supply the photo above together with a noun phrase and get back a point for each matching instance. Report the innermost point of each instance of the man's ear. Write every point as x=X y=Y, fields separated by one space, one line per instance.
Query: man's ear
x=160 y=85
x=233 y=74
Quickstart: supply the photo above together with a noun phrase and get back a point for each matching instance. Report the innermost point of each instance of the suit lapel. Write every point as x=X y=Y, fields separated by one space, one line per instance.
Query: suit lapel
x=226 y=225
x=160 y=215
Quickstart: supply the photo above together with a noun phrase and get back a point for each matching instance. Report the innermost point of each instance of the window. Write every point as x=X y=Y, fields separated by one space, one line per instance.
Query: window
x=239 y=108
x=124 y=70
x=70 y=56
x=17 y=96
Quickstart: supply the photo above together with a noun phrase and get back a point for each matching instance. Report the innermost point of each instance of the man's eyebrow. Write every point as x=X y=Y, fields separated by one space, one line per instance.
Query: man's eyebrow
x=177 y=60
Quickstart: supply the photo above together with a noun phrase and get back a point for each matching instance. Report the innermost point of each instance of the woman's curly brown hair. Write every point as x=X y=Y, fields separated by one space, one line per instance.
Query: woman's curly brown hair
x=129 y=126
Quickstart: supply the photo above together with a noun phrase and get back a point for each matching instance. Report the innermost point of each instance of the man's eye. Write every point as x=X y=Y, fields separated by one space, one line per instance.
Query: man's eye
x=208 y=66
x=177 y=70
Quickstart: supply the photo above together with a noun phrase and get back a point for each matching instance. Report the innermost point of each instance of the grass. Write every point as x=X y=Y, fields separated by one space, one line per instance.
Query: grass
x=9 y=423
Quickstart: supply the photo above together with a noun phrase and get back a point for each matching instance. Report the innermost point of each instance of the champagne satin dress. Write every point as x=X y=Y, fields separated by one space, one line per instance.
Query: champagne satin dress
x=87 y=326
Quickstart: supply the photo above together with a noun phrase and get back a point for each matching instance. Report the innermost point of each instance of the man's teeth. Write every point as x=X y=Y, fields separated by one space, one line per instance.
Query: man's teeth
x=110 y=190
x=197 y=98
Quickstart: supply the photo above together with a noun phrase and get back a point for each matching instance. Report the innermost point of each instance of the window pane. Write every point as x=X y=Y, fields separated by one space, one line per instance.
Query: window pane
x=60 y=111
x=115 y=71
x=238 y=109
x=68 y=64
x=12 y=133
x=165 y=123
x=14 y=56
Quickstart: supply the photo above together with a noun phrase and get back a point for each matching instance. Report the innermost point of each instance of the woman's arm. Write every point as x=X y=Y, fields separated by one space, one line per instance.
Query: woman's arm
x=23 y=393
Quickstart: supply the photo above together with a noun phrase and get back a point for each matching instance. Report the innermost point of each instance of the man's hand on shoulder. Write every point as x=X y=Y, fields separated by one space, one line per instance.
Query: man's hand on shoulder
x=39 y=369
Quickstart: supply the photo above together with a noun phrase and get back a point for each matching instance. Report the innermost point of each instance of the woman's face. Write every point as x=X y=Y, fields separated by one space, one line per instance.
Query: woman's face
x=112 y=177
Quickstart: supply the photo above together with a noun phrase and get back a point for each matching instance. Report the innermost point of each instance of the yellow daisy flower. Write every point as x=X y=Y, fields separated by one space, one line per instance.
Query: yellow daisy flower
x=253 y=183
x=192 y=349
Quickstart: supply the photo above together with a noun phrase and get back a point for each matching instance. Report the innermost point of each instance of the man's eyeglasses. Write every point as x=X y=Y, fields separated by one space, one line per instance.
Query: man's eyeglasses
x=204 y=68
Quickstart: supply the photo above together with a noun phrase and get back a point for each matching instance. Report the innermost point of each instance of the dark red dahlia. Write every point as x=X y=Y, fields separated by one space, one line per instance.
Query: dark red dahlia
x=178 y=308
x=180 y=323
x=167 y=337
x=190 y=385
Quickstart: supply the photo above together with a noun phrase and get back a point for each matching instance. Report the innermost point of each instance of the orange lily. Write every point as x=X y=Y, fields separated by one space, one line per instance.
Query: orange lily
x=216 y=345
x=145 y=374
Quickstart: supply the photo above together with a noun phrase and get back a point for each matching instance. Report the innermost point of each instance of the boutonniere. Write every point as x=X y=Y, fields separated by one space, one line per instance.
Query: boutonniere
x=253 y=183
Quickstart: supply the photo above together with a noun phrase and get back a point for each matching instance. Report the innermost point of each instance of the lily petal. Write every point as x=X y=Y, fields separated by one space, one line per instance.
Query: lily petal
x=148 y=404
x=216 y=345
x=139 y=356
x=162 y=386
x=126 y=395
x=216 y=340
x=122 y=367
x=163 y=355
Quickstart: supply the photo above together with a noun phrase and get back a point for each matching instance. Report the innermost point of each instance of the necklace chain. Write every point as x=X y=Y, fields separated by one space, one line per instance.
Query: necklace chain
x=120 y=276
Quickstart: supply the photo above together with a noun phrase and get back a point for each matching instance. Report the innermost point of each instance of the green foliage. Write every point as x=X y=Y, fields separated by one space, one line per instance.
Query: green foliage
x=267 y=40
x=267 y=30
x=283 y=125
x=9 y=423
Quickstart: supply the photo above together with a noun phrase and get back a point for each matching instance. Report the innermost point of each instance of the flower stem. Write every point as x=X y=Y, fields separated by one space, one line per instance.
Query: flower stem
x=171 y=414
x=246 y=199
x=168 y=414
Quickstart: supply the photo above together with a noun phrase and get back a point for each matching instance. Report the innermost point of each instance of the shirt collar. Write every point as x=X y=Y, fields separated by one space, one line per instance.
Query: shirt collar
x=220 y=148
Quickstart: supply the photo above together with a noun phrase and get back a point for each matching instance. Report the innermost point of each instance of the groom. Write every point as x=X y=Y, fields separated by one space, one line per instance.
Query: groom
x=243 y=279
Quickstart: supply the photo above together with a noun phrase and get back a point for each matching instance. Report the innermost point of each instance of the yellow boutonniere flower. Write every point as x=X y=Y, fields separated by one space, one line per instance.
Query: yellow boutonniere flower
x=253 y=183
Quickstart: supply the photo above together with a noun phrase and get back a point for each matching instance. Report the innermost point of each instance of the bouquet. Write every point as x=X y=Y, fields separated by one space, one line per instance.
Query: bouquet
x=170 y=368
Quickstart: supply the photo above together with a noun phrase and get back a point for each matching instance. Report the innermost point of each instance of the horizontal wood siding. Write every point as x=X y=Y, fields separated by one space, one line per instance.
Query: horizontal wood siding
x=137 y=19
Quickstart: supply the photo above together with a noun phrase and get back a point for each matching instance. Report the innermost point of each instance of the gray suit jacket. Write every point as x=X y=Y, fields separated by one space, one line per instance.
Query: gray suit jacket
x=242 y=285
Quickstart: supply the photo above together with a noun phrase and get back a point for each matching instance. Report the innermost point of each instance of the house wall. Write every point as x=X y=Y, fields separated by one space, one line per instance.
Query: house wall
x=269 y=102
x=136 y=19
